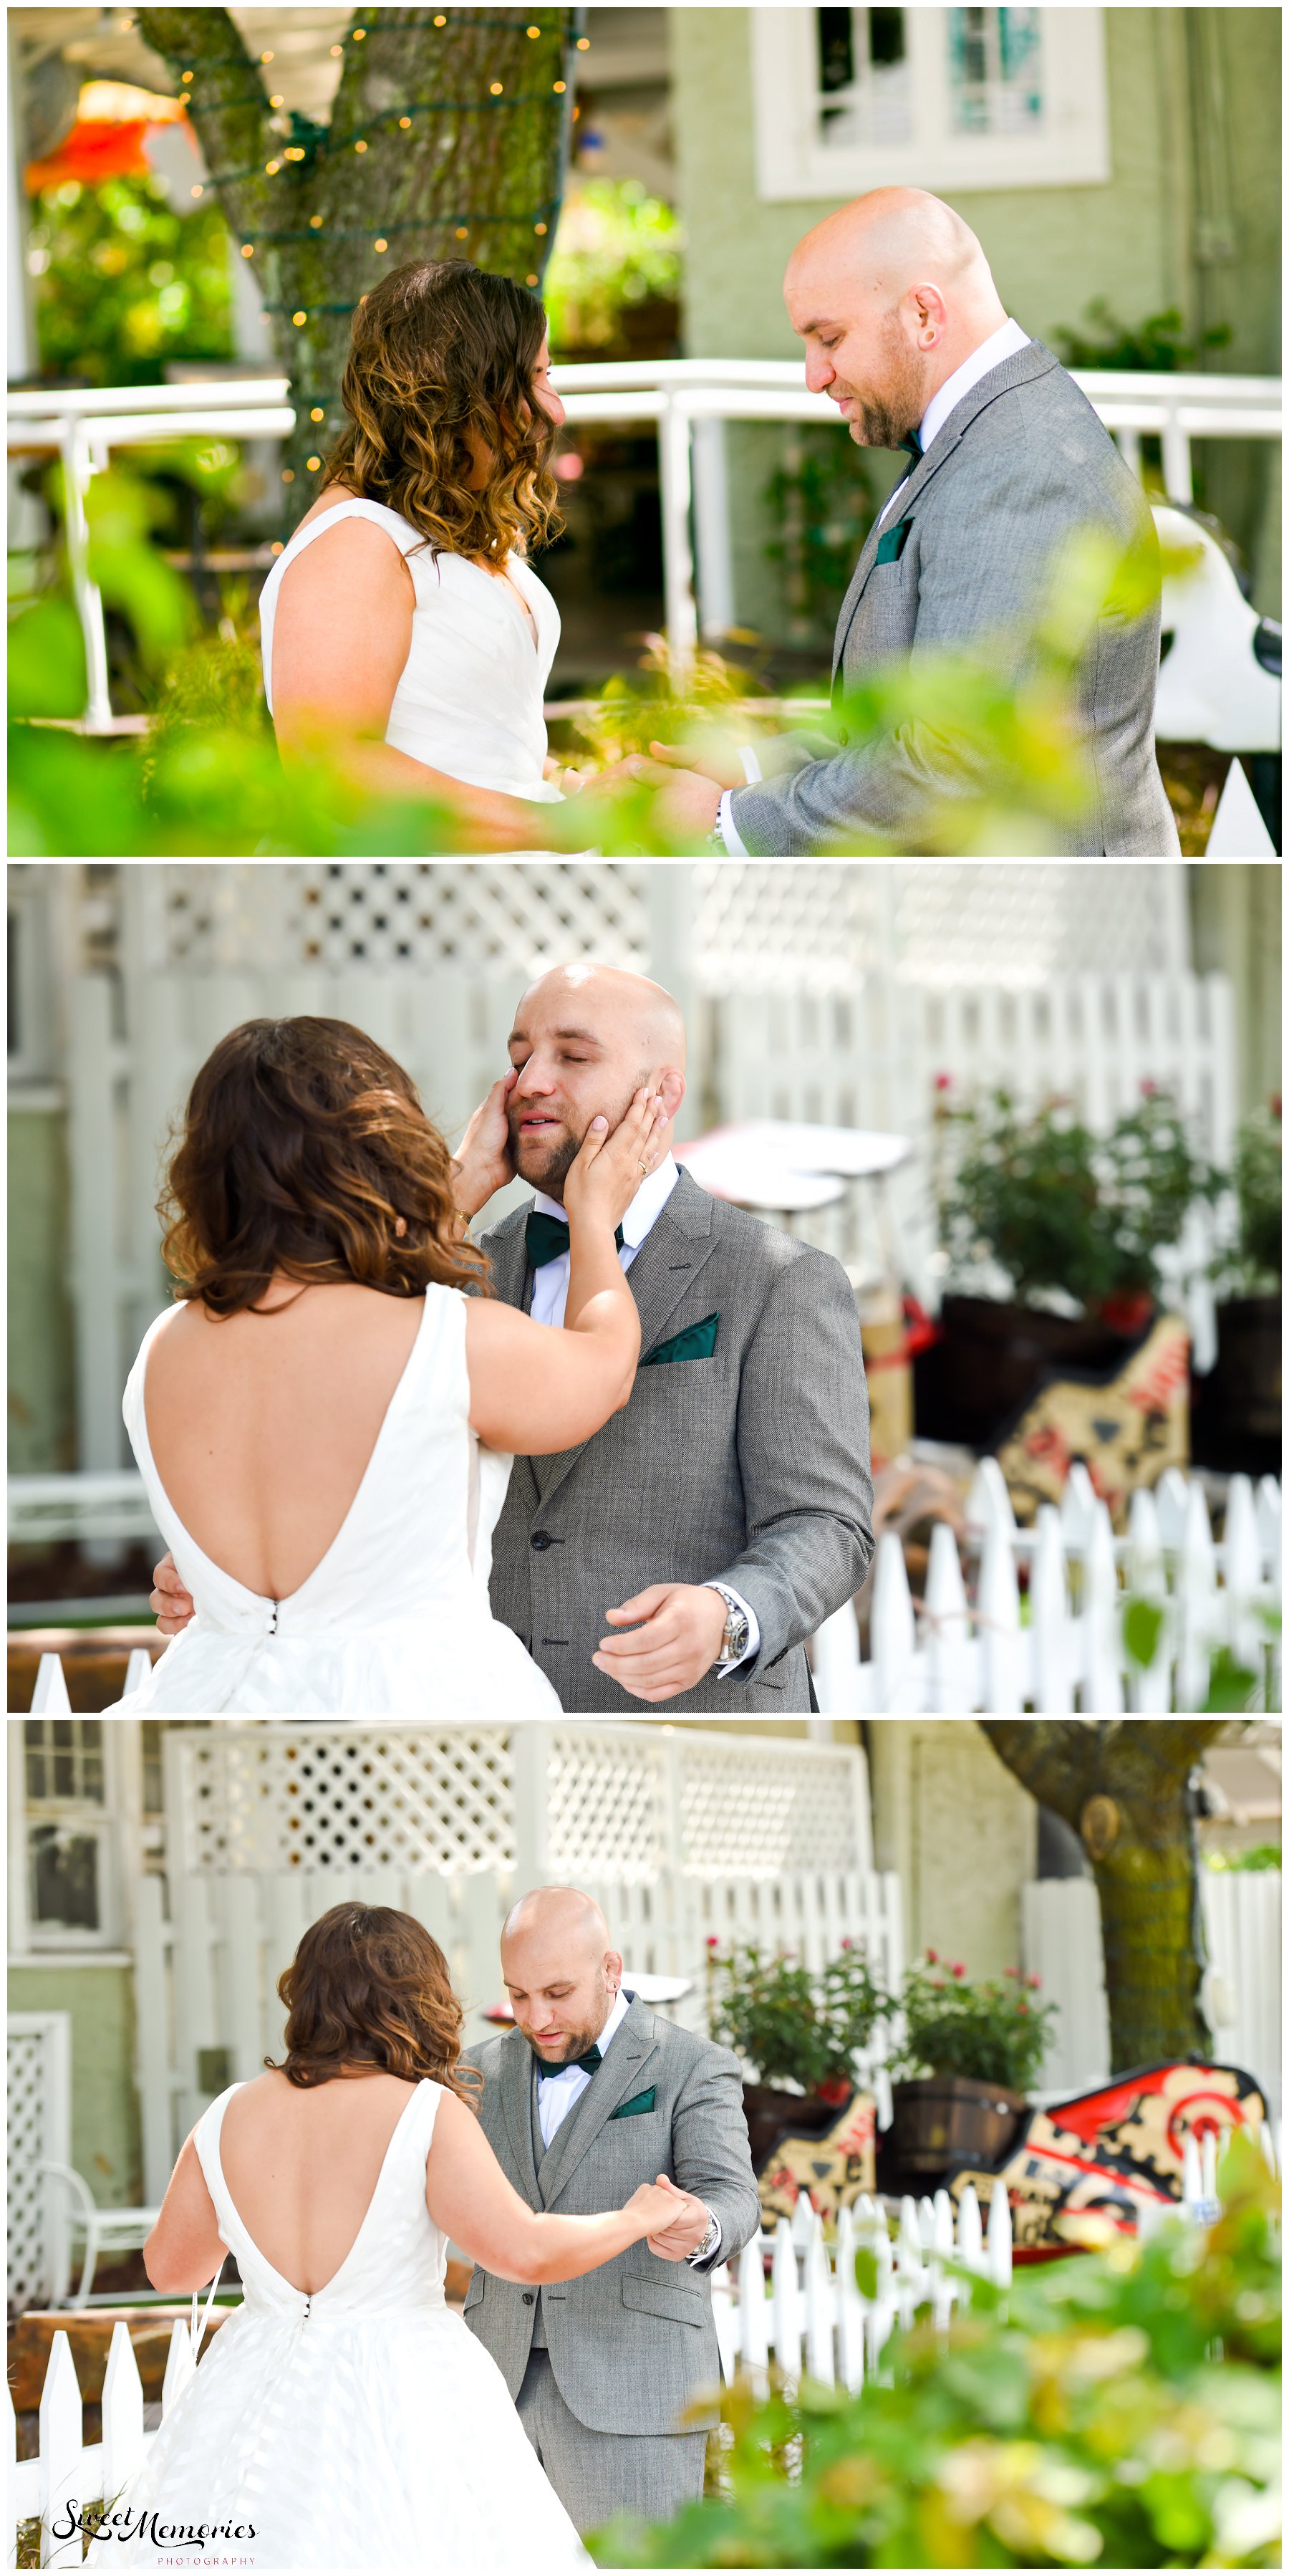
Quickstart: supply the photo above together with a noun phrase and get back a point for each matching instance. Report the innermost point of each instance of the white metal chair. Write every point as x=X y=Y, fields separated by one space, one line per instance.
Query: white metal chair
x=106 y=2231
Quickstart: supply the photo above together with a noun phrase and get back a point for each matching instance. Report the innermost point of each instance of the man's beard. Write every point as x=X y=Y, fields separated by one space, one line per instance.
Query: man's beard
x=577 y=2042
x=555 y=1168
x=885 y=418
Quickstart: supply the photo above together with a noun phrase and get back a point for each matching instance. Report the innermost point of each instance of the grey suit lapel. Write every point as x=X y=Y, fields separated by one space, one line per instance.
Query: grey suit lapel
x=508 y=1258
x=616 y=2080
x=1021 y=368
x=675 y=1249
x=516 y=2104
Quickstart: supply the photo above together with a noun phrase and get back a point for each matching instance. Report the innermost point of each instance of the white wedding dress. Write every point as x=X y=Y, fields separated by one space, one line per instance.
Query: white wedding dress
x=470 y=698
x=361 y=2426
x=394 y=1620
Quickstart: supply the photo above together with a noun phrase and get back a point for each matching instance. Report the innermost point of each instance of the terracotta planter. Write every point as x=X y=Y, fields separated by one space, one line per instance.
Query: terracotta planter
x=991 y=1358
x=772 y=2114
x=945 y=2120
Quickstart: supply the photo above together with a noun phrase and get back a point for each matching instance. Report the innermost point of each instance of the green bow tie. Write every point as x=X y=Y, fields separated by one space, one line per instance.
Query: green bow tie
x=592 y=2058
x=545 y=1237
x=912 y=446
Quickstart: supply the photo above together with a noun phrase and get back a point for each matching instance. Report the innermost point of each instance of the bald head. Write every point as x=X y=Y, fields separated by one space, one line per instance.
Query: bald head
x=890 y=294
x=585 y=1038
x=560 y=1969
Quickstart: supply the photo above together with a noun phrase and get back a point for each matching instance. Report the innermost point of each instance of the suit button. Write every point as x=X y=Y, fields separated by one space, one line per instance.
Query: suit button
x=541 y=1538
x=528 y=2298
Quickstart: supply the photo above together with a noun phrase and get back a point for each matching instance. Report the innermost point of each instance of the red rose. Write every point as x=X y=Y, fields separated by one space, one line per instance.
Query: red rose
x=1033 y=1981
x=1009 y=1972
x=713 y=1941
x=934 y=1957
x=958 y=1968
x=944 y=1082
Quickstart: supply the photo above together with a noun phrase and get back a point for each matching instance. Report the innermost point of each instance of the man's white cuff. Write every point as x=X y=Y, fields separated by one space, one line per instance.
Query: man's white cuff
x=725 y=826
x=753 y=1645
x=707 y=2252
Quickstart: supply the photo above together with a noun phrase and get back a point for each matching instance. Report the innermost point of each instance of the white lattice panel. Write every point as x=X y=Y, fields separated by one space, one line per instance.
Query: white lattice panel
x=607 y=1804
x=37 y=2116
x=754 y=1810
x=415 y=915
x=970 y=922
x=336 y=1798
x=797 y=926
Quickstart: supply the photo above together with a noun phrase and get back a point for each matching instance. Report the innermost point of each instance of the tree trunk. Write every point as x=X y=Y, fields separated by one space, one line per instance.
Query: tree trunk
x=445 y=142
x=1124 y=1785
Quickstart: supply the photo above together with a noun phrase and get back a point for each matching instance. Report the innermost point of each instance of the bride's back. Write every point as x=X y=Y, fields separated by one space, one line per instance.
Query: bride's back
x=301 y=2164
x=262 y=1425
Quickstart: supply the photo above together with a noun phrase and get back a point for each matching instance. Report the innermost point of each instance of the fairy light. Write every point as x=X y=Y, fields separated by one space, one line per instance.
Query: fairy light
x=266 y=58
x=559 y=88
x=279 y=101
x=336 y=52
x=315 y=223
x=299 y=319
x=382 y=244
x=272 y=168
x=198 y=191
x=404 y=122
x=360 y=147
x=584 y=44
x=539 y=228
x=317 y=413
x=495 y=87
x=313 y=463
x=248 y=250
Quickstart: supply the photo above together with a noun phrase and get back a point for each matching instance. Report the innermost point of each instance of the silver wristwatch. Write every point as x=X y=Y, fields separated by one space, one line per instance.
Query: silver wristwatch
x=737 y=1631
x=709 y=2243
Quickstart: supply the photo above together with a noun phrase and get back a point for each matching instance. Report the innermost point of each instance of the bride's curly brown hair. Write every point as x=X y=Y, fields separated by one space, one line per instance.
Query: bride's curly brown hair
x=440 y=348
x=369 y=1986
x=305 y=1151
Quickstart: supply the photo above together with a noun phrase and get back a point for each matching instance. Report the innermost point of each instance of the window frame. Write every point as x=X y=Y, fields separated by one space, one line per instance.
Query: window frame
x=1070 y=147
x=96 y=1818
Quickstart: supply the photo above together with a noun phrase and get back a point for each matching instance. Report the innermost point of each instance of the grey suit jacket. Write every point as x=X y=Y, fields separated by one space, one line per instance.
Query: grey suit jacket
x=633 y=2344
x=750 y=1467
x=1021 y=464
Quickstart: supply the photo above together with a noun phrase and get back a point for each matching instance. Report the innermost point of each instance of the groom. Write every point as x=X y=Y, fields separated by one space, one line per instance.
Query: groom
x=905 y=331
x=686 y=1551
x=589 y=2096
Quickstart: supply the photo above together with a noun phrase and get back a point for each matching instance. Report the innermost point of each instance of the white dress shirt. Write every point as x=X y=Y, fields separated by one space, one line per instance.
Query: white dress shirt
x=1002 y=343
x=550 y=1297
x=556 y=2094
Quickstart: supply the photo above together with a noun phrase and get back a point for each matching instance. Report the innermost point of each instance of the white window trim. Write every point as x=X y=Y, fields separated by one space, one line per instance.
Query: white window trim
x=1070 y=149
x=114 y=1823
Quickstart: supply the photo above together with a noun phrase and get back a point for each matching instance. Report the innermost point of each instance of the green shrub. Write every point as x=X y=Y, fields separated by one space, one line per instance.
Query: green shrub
x=1119 y=2409
x=794 y=2027
x=1251 y=1267
x=992 y=2029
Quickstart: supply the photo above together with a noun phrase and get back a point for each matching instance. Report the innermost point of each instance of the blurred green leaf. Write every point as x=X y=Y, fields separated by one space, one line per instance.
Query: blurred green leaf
x=1142 y=1625
x=47 y=660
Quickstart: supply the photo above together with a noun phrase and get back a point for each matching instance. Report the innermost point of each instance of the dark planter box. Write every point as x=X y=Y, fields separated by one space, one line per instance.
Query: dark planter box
x=1235 y=1419
x=991 y=1360
x=945 y=2120
x=772 y=2114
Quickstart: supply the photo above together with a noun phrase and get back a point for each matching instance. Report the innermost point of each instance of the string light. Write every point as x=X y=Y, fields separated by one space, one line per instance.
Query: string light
x=248 y=250
x=404 y=122
x=272 y=167
x=531 y=281
x=559 y=88
x=539 y=228
x=279 y=101
x=197 y=191
x=495 y=87
x=359 y=33
x=315 y=223
x=266 y=58
x=382 y=244
x=277 y=547
x=317 y=414
x=188 y=76
x=288 y=474
x=336 y=52
x=313 y=463
x=462 y=233
x=299 y=318
x=584 y=44
x=360 y=147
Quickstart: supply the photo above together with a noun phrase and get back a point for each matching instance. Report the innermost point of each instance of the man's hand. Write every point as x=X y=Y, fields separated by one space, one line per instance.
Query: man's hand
x=679 y=1641
x=684 y=2233
x=717 y=759
x=686 y=806
x=482 y=1163
x=171 y=1606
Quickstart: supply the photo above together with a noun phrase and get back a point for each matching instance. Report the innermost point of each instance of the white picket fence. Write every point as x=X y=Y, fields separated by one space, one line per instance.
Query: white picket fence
x=945 y=1654
x=1068 y=1651
x=809 y=2316
x=70 y=2471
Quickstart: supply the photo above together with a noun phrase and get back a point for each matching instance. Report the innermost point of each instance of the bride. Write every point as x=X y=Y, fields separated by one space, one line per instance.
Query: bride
x=325 y=1421
x=343 y=2413
x=404 y=633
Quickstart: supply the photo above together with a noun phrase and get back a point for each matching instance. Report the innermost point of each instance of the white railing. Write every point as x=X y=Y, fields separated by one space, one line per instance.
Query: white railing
x=1068 y=1652
x=688 y=398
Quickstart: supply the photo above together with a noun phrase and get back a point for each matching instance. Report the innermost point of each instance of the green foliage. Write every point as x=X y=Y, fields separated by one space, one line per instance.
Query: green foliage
x=1251 y=1266
x=1058 y=1207
x=1157 y=346
x=46 y=659
x=123 y=284
x=616 y=247
x=823 y=505
x=1120 y=2409
x=794 y=2027
x=990 y=2029
x=1261 y=1856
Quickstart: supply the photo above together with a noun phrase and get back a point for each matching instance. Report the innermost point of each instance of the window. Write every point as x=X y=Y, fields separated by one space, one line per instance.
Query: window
x=951 y=99
x=68 y=1860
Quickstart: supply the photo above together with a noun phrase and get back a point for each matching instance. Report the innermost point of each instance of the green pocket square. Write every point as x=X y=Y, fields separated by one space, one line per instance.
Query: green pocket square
x=892 y=541
x=697 y=1342
x=639 y=2102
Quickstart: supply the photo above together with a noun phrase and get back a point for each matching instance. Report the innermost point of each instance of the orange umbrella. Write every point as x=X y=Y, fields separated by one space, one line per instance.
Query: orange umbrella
x=96 y=149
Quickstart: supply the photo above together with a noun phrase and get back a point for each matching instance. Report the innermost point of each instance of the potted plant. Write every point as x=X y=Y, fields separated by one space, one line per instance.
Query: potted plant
x=800 y=2031
x=1071 y=1224
x=1237 y=1406
x=970 y=2050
